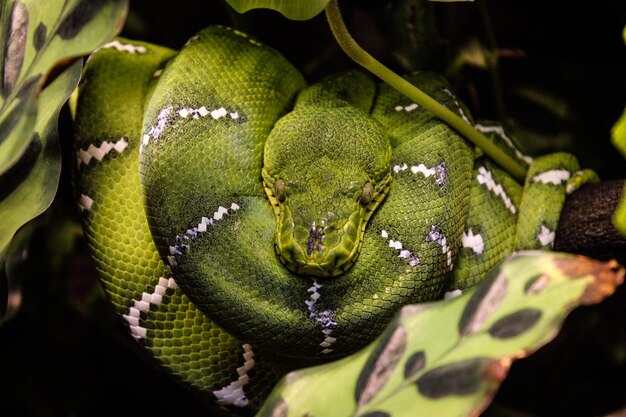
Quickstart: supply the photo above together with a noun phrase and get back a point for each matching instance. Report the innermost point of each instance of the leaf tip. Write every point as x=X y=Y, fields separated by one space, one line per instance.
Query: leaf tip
x=607 y=276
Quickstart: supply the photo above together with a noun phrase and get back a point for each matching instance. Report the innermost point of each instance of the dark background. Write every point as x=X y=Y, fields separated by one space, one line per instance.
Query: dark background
x=560 y=84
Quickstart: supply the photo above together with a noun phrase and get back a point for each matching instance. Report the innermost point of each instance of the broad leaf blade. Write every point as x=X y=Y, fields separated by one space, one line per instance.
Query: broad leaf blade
x=291 y=9
x=37 y=35
x=16 y=125
x=35 y=191
x=448 y=358
x=73 y=30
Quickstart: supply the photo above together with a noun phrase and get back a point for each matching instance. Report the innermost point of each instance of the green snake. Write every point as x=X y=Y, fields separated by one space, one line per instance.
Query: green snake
x=245 y=224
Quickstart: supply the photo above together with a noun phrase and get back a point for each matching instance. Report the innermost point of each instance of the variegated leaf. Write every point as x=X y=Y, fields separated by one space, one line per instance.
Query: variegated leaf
x=29 y=187
x=448 y=358
x=39 y=35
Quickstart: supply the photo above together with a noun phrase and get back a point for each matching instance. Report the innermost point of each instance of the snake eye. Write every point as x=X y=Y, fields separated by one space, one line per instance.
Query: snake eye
x=368 y=193
x=279 y=190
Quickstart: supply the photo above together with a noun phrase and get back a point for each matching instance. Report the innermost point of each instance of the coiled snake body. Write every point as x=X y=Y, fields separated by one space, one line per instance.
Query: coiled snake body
x=218 y=192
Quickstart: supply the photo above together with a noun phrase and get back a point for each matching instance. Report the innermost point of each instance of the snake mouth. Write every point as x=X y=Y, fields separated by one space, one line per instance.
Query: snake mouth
x=322 y=252
x=327 y=247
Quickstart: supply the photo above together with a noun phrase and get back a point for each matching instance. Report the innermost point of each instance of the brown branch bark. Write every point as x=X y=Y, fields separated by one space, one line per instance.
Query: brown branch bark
x=586 y=226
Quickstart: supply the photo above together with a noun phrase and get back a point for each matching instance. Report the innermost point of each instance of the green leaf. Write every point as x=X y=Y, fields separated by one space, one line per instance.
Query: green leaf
x=38 y=35
x=448 y=358
x=35 y=183
x=618 y=136
x=291 y=9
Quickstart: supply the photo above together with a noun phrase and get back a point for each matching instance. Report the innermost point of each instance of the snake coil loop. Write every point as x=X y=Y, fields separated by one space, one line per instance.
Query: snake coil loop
x=276 y=235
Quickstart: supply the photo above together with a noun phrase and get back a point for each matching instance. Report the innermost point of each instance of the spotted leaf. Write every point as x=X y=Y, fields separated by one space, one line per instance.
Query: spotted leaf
x=27 y=189
x=381 y=364
x=41 y=35
x=449 y=357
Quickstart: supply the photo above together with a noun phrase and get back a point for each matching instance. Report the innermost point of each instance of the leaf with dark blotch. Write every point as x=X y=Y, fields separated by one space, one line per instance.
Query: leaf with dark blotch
x=30 y=51
x=12 y=178
x=82 y=13
x=39 y=38
x=443 y=373
x=484 y=301
x=16 y=124
x=414 y=364
x=36 y=191
x=15 y=47
x=536 y=284
x=515 y=323
x=376 y=414
x=380 y=365
x=458 y=378
x=10 y=120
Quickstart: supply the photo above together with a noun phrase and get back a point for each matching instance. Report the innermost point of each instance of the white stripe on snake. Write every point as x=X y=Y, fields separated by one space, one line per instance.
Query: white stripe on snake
x=485 y=178
x=473 y=241
x=554 y=176
x=98 y=153
x=438 y=170
x=221 y=124
x=134 y=312
x=125 y=47
x=233 y=394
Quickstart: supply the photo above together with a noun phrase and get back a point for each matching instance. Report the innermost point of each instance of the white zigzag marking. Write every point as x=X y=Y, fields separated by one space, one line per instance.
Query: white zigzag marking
x=554 y=176
x=85 y=202
x=403 y=253
x=498 y=130
x=473 y=242
x=125 y=47
x=233 y=394
x=165 y=118
x=485 y=178
x=438 y=170
x=203 y=111
x=313 y=298
x=245 y=35
x=84 y=156
x=407 y=109
x=147 y=299
x=324 y=319
x=436 y=235
x=183 y=241
x=458 y=106
x=546 y=236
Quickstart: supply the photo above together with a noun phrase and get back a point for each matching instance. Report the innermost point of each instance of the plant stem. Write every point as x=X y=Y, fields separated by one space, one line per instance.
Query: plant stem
x=354 y=51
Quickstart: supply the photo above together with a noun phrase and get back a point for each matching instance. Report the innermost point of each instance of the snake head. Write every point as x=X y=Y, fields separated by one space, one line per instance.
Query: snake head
x=324 y=172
